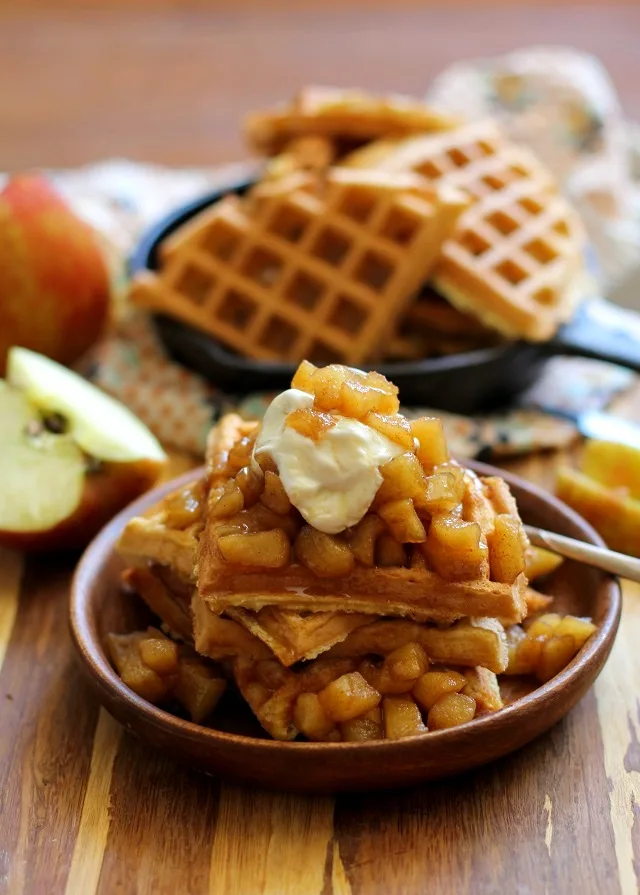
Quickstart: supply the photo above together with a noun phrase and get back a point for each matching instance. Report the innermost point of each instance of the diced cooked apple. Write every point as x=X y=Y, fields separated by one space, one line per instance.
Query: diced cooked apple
x=261 y=518
x=390 y=552
x=185 y=507
x=394 y=427
x=359 y=730
x=161 y=655
x=455 y=549
x=380 y=677
x=543 y=626
x=444 y=491
x=198 y=687
x=327 y=556
x=229 y=504
x=348 y=697
x=540 y=562
x=451 y=710
x=555 y=654
x=432 y=450
x=251 y=482
x=327 y=385
x=580 y=629
x=407 y=662
x=274 y=497
x=240 y=454
x=506 y=553
x=124 y=650
x=262 y=549
x=403 y=521
x=303 y=377
x=434 y=684
x=363 y=538
x=402 y=717
x=403 y=477
x=310 y=717
x=310 y=422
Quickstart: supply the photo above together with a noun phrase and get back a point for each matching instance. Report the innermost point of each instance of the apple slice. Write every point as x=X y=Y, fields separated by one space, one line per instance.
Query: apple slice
x=70 y=456
x=99 y=425
x=41 y=477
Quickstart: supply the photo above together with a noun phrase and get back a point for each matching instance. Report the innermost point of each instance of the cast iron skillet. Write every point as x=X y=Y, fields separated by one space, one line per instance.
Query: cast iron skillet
x=461 y=383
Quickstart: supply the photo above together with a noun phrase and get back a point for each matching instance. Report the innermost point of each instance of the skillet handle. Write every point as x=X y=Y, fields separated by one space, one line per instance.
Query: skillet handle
x=601 y=330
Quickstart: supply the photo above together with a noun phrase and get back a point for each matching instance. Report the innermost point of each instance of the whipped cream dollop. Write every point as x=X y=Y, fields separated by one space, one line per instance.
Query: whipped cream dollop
x=331 y=481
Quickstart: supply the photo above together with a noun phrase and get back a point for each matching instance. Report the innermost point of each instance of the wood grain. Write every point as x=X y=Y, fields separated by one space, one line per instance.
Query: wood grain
x=172 y=85
x=252 y=849
x=88 y=851
x=619 y=719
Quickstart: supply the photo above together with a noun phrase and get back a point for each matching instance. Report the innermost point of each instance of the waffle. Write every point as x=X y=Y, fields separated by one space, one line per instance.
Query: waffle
x=163 y=560
x=294 y=636
x=347 y=117
x=302 y=269
x=413 y=590
x=153 y=538
x=431 y=327
x=311 y=153
x=168 y=603
x=515 y=261
x=432 y=314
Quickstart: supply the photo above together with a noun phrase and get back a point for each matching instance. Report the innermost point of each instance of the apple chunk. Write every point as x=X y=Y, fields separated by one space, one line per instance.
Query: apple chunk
x=55 y=493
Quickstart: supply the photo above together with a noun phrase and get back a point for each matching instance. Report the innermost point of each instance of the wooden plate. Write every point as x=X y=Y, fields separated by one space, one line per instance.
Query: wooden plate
x=238 y=748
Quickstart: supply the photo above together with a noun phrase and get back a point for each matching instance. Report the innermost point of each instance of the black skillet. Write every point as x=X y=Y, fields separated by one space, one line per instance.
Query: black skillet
x=460 y=383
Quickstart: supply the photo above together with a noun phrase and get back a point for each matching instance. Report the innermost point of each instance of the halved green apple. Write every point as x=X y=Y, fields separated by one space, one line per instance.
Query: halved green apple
x=70 y=455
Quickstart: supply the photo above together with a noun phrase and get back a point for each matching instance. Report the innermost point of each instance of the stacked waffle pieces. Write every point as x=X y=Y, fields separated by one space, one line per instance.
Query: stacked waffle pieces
x=515 y=259
x=343 y=118
x=365 y=204
x=306 y=268
x=390 y=627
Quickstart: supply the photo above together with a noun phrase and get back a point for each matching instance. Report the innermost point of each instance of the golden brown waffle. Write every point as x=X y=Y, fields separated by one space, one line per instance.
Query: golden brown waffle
x=302 y=269
x=152 y=538
x=313 y=154
x=162 y=574
x=348 y=117
x=294 y=636
x=431 y=314
x=413 y=590
x=170 y=604
x=515 y=261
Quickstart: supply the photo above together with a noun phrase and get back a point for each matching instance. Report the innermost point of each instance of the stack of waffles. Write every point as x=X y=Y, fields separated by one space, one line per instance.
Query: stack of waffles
x=366 y=208
x=392 y=627
x=514 y=262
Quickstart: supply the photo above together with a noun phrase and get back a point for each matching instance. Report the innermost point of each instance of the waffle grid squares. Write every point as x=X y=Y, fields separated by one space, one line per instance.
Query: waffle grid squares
x=295 y=273
x=516 y=249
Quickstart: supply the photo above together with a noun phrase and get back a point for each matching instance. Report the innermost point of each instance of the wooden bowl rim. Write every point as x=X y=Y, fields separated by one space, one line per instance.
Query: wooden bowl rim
x=96 y=664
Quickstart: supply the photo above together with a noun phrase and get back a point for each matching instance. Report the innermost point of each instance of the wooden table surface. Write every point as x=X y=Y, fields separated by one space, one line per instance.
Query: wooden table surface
x=84 y=807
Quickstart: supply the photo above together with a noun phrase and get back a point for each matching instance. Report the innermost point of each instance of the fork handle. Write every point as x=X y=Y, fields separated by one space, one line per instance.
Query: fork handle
x=600 y=557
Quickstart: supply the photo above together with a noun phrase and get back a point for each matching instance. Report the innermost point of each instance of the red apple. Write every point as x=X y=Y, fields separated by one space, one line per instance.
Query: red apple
x=70 y=456
x=54 y=284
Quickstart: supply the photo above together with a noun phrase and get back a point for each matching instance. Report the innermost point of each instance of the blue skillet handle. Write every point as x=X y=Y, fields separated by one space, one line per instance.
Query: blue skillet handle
x=601 y=330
